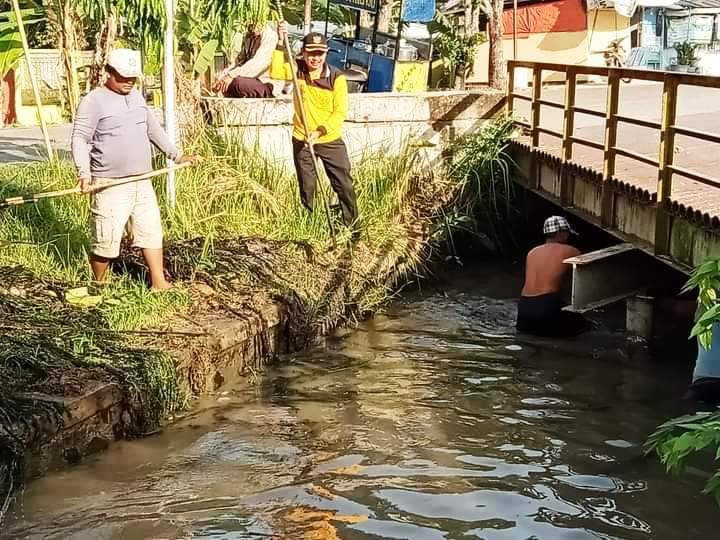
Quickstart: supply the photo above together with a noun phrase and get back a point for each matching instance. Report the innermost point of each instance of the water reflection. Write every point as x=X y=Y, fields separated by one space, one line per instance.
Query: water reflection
x=431 y=421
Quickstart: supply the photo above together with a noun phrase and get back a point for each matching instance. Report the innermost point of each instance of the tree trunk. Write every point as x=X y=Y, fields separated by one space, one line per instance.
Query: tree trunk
x=307 y=18
x=459 y=78
x=475 y=26
x=467 y=17
x=385 y=15
x=497 y=70
x=68 y=49
x=103 y=45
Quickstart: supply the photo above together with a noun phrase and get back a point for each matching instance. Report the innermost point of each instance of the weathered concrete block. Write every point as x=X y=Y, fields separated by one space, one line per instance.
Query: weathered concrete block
x=635 y=218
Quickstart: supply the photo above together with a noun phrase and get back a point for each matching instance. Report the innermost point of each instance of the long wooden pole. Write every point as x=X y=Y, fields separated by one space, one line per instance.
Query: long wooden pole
x=33 y=80
x=169 y=93
x=514 y=19
x=101 y=183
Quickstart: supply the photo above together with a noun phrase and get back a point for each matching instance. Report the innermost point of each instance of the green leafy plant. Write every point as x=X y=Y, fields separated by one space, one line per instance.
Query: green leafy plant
x=11 y=49
x=204 y=28
x=675 y=442
x=706 y=279
x=455 y=48
x=484 y=201
x=686 y=53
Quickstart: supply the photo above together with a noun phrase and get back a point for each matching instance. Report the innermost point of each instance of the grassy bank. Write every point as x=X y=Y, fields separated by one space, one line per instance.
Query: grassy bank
x=238 y=230
x=235 y=193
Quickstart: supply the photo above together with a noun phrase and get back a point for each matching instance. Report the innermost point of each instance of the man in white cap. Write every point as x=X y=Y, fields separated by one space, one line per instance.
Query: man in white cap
x=540 y=307
x=112 y=138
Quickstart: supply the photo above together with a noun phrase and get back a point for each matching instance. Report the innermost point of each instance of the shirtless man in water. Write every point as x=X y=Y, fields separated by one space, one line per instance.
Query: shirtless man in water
x=540 y=307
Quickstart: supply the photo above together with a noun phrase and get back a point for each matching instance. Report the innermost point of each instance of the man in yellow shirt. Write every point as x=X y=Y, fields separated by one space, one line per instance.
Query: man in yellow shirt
x=323 y=90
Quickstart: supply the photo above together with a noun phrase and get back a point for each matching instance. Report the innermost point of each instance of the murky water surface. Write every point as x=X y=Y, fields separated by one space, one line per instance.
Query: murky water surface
x=432 y=421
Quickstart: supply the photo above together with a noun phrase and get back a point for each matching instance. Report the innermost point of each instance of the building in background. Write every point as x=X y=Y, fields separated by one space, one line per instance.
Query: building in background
x=581 y=31
x=18 y=101
x=658 y=25
x=557 y=31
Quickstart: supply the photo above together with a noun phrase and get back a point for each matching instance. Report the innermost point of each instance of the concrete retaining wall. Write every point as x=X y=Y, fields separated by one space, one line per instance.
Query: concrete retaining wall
x=91 y=422
x=375 y=123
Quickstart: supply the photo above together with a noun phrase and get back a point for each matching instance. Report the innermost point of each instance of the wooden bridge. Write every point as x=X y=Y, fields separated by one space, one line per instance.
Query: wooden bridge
x=661 y=207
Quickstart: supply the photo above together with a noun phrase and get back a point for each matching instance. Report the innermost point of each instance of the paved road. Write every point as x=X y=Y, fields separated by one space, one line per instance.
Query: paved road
x=698 y=108
x=26 y=144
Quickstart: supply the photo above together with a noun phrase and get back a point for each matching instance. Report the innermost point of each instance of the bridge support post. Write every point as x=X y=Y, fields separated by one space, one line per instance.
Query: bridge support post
x=639 y=316
x=609 y=154
x=568 y=129
x=665 y=161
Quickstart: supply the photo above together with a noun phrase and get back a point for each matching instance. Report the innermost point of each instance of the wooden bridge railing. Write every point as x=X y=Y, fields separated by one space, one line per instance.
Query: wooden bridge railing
x=667 y=126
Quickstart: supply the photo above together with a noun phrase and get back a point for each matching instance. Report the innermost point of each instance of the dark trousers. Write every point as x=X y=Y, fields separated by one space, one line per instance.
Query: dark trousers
x=705 y=390
x=334 y=158
x=543 y=316
x=247 y=87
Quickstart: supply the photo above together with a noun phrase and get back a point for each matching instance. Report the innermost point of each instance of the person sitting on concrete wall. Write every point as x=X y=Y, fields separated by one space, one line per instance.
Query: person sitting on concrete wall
x=540 y=308
x=250 y=76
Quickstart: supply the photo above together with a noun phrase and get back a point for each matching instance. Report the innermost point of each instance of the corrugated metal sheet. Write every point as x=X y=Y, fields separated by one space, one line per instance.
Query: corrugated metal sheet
x=699 y=4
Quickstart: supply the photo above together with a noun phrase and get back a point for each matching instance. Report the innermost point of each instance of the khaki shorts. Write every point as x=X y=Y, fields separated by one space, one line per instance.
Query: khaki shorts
x=131 y=205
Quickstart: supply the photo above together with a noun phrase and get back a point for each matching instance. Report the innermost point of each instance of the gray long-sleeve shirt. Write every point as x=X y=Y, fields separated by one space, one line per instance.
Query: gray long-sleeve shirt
x=112 y=135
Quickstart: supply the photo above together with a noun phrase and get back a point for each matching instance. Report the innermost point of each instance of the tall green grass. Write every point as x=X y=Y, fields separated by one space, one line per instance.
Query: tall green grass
x=485 y=203
x=235 y=192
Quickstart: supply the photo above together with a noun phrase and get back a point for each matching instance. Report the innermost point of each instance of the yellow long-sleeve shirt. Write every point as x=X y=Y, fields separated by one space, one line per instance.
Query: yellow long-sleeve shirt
x=325 y=99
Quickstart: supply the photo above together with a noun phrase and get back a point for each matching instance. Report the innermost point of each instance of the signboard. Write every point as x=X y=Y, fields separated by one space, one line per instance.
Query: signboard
x=371 y=6
x=626 y=8
x=418 y=11
x=693 y=28
x=701 y=28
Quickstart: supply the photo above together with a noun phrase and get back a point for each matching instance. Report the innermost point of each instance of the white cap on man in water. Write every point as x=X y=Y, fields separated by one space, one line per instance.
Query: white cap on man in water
x=126 y=62
x=556 y=224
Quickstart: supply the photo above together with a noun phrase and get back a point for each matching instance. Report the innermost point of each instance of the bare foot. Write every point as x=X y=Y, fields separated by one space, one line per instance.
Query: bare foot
x=162 y=286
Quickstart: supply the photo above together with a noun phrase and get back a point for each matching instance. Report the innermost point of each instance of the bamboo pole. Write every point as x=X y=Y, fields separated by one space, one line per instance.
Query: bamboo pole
x=169 y=93
x=33 y=80
x=514 y=22
x=101 y=183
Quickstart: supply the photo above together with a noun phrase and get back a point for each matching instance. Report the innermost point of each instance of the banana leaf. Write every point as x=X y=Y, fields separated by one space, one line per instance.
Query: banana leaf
x=11 y=51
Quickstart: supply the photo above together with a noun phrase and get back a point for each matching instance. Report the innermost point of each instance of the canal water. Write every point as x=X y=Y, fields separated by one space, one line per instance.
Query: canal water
x=431 y=421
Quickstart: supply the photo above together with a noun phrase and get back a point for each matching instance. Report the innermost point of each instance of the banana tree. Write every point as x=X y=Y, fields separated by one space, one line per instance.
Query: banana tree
x=11 y=48
x=140 y=23
x=208 y=27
